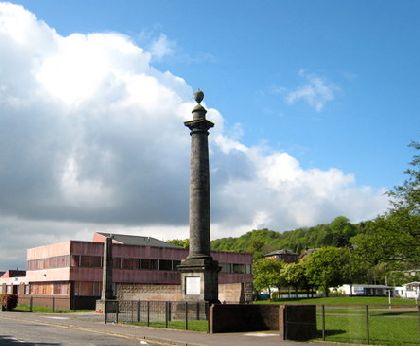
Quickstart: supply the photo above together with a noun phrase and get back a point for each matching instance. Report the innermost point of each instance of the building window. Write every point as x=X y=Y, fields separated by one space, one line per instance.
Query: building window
x=51 y=262
x=225 y=267
x=61 y=288
x=75 y=261
x=87 y=288
x=42 y=288
x=130 y=263
x=150 y=264
x=91 y=261
x=238 y=268
x=97 y=288
x=165 y=264
x=116 y=263
x=175 y=264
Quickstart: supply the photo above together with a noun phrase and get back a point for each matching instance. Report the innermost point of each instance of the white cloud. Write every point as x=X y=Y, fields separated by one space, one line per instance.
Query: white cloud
x=316 y=91
x=92 y=138
x=162 y=47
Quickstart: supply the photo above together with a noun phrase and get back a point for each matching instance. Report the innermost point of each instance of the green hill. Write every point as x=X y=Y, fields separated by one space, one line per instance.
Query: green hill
x=261 y=241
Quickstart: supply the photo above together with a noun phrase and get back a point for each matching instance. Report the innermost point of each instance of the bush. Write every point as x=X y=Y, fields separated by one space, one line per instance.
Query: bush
x=8 y=301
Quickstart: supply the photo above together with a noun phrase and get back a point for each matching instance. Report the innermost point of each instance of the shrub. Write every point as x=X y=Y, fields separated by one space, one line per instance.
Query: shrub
x=8 y=301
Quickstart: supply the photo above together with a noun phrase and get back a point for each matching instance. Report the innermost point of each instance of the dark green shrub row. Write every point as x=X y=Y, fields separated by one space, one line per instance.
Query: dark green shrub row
x=8 y=301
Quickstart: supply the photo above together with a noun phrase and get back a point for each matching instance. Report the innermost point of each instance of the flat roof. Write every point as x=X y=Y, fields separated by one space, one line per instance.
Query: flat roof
x=138 y=240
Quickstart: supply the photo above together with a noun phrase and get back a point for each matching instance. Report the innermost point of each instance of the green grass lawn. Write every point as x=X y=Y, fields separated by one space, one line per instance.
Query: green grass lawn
x=198 y=326
x=351 y=327
x=44 y=309
x=345 y=319
x=339 y=300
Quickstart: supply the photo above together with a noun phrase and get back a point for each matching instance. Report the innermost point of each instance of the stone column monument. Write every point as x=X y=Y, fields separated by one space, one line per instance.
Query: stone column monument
x=199 y=272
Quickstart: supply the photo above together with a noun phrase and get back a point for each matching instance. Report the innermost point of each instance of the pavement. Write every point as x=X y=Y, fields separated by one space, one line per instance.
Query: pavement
x=93 y=324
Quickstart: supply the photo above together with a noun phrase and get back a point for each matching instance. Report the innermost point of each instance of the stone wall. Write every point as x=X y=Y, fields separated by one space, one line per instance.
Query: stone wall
x=235 y=293
x=229 y=293
x=146 y=292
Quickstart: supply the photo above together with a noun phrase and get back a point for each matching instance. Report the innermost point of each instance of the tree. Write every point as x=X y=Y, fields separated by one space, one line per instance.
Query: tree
x=392 y=241
x=267 y=274
x=295 y=276
x=357 y=269
x=327 y=267
x=184 y=243
x=391 y=238
x=407 y=195
x=341 y=230
x=405 y=211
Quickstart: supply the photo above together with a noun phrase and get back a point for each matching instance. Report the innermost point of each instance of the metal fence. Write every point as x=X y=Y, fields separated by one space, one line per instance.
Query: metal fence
x=52 y=303
x=179 y=315
x=370 y=324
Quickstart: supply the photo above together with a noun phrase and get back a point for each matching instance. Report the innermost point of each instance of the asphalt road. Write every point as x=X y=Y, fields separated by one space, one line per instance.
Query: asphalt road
x=85 y=329
x=52 y=330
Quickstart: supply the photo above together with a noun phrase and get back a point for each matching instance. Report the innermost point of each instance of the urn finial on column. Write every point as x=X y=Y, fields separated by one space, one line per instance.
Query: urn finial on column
x=199 y=112
x=198 y=95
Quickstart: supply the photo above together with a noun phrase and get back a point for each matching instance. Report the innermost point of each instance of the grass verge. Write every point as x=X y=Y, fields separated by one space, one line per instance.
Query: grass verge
x=198 y=326
x=45 y=309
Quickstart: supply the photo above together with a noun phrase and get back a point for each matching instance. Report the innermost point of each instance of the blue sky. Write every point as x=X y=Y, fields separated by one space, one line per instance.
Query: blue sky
x=314 y=104
x=241 y=52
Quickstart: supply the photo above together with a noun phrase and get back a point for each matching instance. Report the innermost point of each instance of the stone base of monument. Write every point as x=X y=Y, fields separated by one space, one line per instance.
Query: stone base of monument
x=199 y=279
x=111 y=306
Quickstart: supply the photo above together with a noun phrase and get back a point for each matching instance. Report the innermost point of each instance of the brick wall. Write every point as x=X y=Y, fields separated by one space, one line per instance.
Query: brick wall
x=299 y=322
x=244 y=317
x=295 y=322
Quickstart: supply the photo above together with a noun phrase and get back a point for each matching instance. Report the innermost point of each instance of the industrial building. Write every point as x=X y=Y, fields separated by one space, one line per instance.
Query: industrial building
x=71 y=271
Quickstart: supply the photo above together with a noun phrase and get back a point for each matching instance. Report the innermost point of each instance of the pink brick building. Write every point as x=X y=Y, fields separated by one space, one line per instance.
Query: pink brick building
x=72 y=271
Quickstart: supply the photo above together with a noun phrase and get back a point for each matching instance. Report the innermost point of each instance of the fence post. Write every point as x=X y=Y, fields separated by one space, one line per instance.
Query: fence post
x=186 y=315
x=166 y=314
x=138 y=311
x=207 y=313
x=323 y=322
x=117 y=310
x=105 y=311
x=148 y=313
x=418 y=307
x=197 y=311
x=53 y=304
x=31 y=303
x=367 y=324
x=132 y=311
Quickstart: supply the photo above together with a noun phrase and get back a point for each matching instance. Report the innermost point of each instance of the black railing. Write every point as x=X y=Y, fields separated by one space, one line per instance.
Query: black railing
x=179 y=315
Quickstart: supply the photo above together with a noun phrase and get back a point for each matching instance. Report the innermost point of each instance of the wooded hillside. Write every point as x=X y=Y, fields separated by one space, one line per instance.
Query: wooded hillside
x=262 y=241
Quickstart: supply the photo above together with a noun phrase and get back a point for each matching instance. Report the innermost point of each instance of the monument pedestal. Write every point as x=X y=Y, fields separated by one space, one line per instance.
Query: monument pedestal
x=199 y=279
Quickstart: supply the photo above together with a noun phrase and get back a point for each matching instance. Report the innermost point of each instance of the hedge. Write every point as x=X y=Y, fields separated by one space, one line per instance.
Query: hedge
x=8 y=301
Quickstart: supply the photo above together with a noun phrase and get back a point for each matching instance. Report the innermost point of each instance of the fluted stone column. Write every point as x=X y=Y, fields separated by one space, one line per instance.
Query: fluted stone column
x=199 y=272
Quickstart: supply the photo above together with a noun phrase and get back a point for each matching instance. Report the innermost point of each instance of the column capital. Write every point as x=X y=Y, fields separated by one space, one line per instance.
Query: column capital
x=201 y=125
